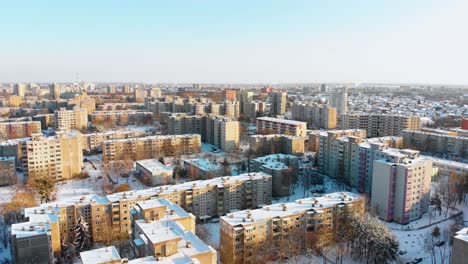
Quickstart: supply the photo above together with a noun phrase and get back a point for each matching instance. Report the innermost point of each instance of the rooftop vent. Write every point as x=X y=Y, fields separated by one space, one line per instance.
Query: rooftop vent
x=124 y=260
x=267 y=208
x=188 y=244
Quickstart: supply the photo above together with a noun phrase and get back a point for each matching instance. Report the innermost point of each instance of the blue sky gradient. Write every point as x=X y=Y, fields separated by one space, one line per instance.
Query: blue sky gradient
x=235 y=41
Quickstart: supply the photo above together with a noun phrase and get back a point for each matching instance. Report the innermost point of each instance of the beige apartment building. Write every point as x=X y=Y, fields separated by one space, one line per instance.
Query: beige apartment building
x=47 y=120
x=401 y=186
x=380 y=125
x=59 y=157
x=76 y=119
x=162 y=232
x=150 y=147
x=276 y=143
x=316 y=115
x=270 y=125
x=121 y=117
x=13 y=130
x=113 y=213
x=93 y=141
x=249 y=235
x=220 y=131
x=436 y=141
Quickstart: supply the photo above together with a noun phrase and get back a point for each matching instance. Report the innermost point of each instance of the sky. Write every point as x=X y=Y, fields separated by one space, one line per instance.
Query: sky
x=243 y=41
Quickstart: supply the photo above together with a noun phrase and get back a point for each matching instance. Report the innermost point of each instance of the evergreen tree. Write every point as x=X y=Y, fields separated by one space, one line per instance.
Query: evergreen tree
x=82 y=241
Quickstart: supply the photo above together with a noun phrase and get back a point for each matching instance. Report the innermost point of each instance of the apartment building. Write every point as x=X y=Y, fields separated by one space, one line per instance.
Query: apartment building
x=182 y=123
x=276 y=143
x=93 y=141
x=316 y=115
x=153 y=173
x=202 y=169
x=7 y=171
x=231 y=109
x=380 y=125
x=348 y=156
x=229 y=94
x=47 y=120
x=13 y=148
x=436 y=141
x=162 y=232
x=121 y=117
x=254 y=108
x=13 y=130
x=222 y=132
x=59 y=157
x=82 y=101
x=76 y=119
x=329 y=148
x=450 y=167
x=246 y=235
x=150 y=147
x=54 y=91
x=19 y=89
x=281 y=126
x=401 y=186
x=278 y=101
x=113 y=213
x=283 y=169
x=120 y=106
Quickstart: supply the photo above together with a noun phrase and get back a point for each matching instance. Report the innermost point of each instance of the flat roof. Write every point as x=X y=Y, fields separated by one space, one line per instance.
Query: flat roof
x=100 y=255
x=279 y=120
x=246 y=217
x=153 y=165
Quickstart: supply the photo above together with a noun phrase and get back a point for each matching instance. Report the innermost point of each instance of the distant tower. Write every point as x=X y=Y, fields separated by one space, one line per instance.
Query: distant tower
x=278 y=102
x=196 y=86
x=20 y=89
x=323 y=88
x=55 y=91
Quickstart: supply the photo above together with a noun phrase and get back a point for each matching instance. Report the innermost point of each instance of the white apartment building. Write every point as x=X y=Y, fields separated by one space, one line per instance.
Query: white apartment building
x=401 y=186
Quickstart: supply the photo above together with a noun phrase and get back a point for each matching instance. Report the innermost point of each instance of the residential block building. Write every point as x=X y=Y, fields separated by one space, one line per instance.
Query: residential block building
x=7 y=171
x=436 y=141
x=93 y=141
x=380 y=125
x=316 y=115
x=150 y=147
x=13 y=130
x=246 y=235
x=59 y=157
x=276 y=143
x=75 y=119
x=121 y=117
x=50 y=224
x=401 y=186
x=270 y=125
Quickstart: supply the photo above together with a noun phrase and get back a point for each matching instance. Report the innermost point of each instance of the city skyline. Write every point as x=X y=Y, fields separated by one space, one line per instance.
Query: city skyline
x=242 y=42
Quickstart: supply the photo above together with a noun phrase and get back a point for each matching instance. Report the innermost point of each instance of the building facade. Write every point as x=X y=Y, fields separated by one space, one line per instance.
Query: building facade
x=13 y=130
x=380 y=125
x=269 y=125
x=76 y=119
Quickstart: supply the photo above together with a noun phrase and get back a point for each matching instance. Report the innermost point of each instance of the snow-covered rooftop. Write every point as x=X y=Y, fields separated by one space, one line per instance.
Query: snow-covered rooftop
x=203 y=164
x=100 y=255
x=462 y=234
x=279 y=120
x=153 y=165
x=246 y=217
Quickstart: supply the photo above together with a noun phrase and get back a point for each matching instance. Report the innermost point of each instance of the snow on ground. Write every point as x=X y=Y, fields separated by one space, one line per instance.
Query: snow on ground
x=213 y=231
x=93 y=184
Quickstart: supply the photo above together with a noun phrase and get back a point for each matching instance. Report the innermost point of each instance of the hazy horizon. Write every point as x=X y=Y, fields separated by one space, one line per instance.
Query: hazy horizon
x=298 y=41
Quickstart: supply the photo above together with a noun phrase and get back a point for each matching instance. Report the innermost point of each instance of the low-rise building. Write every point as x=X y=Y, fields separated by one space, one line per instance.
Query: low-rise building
x=202 y=169
x=460 y=247
x=153 y=173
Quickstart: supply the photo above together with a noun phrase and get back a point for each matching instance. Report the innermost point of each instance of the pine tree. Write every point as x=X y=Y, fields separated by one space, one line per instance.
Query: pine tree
x=82 y=241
